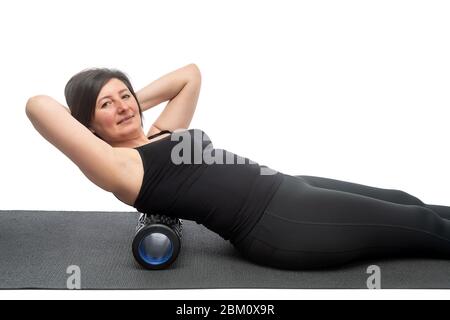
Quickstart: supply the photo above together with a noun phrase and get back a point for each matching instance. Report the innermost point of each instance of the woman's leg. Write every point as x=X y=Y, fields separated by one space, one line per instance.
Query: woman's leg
x=307 y=227
x=391 y=195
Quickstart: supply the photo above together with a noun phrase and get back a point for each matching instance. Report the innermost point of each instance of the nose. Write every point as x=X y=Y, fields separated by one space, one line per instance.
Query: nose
x=123 y=106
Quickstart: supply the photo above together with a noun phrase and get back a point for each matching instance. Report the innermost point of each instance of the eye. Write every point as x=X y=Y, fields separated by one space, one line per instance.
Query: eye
x=104 y=104
x=126 y=95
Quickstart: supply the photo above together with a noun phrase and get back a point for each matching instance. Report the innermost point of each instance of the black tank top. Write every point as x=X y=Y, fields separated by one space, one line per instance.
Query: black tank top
x=228 y=196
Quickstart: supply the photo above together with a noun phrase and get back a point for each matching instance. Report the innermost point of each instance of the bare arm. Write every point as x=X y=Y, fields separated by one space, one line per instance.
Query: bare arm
x=167 y=87
x=94 y=157
x=182 y=88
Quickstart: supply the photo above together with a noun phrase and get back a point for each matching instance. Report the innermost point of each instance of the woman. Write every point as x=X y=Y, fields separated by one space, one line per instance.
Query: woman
x=273 y=219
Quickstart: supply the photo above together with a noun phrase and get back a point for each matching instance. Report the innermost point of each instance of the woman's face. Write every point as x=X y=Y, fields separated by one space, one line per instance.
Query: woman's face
x=114 y=104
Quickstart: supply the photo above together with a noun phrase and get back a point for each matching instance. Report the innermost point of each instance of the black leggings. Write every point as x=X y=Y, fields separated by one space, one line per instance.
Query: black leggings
x=313 y=222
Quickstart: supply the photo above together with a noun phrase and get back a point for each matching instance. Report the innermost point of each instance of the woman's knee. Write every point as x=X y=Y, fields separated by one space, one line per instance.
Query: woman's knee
x=403 y=197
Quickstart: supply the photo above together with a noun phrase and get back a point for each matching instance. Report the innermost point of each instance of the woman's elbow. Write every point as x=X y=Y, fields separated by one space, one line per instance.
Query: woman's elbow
x=33 y=103
x=34 y=100
x=195 y=70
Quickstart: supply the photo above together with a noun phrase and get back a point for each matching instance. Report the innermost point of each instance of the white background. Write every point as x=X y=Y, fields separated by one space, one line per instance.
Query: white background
x=350 y=90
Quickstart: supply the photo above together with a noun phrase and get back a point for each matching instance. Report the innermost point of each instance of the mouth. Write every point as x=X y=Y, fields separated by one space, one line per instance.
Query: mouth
x=126 y=119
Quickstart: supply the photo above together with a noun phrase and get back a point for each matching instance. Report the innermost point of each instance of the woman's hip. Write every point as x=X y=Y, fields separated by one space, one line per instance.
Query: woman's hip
x=275 y=228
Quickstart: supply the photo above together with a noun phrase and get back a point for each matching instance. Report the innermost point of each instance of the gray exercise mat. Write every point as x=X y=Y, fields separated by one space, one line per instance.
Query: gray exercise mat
x=36 y=249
